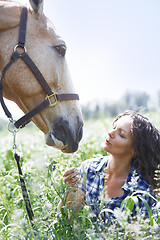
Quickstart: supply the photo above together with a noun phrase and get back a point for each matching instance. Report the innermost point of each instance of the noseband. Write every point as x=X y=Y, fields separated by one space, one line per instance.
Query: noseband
x=51 y=99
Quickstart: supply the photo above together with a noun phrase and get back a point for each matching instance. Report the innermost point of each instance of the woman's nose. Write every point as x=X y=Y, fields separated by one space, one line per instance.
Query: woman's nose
x=111 y=134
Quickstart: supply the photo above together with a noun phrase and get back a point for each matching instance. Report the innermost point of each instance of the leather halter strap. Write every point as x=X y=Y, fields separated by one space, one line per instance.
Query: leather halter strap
x=51 y=99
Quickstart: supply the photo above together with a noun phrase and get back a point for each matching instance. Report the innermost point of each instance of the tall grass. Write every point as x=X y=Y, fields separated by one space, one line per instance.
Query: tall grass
x=43 y=168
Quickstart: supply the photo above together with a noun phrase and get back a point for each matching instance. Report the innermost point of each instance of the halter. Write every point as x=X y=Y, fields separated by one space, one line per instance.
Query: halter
x=25 y=57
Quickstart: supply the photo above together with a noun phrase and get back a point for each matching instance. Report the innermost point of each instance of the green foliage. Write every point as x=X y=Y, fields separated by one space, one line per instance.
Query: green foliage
x=43 y=168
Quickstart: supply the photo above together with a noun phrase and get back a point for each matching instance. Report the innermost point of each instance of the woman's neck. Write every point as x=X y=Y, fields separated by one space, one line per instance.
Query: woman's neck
x=118 y=167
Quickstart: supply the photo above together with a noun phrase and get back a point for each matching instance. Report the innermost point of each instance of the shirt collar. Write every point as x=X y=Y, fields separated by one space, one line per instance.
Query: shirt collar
x=133 y=180
x=102 y=164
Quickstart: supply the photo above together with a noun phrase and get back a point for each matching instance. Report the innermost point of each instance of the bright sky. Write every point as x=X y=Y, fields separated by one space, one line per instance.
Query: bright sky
x=112 y=45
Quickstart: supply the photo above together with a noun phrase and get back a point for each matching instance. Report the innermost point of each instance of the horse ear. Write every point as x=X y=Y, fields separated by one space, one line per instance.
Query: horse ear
x=37 y=6
x=9 y=15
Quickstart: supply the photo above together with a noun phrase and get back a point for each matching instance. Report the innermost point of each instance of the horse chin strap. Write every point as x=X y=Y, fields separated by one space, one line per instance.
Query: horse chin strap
x=51 y=99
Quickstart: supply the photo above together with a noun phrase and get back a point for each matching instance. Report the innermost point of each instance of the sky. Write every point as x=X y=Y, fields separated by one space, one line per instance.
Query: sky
x=113 y=46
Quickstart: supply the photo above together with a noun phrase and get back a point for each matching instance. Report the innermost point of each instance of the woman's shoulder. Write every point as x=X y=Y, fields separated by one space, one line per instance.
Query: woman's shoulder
x=94 y=164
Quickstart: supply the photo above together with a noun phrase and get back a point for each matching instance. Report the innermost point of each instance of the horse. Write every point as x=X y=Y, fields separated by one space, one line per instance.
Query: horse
x=61 y=122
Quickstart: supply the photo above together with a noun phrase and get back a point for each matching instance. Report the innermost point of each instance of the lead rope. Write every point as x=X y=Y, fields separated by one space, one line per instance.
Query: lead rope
x=21 y=178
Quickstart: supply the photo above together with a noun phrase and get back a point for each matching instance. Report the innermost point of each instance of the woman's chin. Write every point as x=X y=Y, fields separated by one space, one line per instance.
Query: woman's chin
x=105 y=148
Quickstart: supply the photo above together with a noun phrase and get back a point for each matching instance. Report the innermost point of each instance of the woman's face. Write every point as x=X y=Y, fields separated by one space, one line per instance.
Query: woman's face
x=119 y=141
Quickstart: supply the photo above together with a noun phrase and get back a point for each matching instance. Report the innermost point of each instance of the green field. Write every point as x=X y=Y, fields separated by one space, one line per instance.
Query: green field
x=43 y=168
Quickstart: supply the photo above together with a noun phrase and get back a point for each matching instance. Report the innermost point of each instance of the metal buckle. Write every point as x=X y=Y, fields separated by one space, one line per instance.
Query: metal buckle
x=23 y=49
x=55 y=98
x=11 y=126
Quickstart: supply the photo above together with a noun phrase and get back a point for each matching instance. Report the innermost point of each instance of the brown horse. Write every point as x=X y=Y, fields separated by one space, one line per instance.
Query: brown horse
x=61 y=124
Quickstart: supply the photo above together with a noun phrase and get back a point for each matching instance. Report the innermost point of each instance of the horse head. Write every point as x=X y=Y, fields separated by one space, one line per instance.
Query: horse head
x=61 y=124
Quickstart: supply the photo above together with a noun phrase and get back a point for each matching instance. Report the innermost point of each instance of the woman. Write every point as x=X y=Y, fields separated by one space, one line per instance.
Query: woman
x=134 y=148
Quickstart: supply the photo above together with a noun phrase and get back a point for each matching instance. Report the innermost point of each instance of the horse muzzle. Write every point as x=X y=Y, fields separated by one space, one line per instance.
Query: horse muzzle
x=65 y=136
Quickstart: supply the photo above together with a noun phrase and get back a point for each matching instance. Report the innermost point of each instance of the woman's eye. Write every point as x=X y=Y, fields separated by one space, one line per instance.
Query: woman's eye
x=121 y=135
x=61 y=49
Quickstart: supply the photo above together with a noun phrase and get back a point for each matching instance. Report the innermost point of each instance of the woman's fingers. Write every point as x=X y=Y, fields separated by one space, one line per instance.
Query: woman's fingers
x=71 y=176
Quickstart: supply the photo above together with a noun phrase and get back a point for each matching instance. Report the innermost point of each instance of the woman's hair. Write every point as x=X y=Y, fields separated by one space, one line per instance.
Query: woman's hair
x=146 y=146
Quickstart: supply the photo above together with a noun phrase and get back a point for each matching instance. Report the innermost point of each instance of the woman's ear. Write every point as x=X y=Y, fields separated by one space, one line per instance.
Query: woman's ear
x=9 y=15
x=37 y=6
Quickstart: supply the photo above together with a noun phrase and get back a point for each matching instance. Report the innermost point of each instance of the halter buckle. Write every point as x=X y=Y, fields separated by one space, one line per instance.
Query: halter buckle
x=49 y=100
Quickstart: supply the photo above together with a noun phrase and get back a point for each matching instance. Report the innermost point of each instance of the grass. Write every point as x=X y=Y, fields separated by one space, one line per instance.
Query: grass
x=43 y=168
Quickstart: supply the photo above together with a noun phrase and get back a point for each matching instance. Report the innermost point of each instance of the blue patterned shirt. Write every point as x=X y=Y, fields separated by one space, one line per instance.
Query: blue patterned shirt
x=92 y=176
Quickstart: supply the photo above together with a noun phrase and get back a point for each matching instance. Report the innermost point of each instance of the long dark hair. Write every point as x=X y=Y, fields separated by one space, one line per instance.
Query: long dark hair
x=146 y=146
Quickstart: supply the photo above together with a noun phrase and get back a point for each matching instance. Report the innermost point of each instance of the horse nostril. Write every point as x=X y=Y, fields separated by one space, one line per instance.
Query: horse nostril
x=68 y=135
x=60 y=133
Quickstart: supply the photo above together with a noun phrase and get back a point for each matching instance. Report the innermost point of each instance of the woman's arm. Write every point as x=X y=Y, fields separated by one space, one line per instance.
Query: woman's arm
x=74 y=197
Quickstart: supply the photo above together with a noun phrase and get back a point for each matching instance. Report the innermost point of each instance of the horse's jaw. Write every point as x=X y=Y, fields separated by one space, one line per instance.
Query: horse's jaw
x=65 y=137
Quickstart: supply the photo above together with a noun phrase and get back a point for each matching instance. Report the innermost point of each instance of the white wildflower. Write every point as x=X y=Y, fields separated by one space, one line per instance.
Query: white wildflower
x=134 y=181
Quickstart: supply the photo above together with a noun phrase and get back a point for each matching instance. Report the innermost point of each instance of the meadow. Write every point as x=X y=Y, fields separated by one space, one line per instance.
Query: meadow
x=43 y=168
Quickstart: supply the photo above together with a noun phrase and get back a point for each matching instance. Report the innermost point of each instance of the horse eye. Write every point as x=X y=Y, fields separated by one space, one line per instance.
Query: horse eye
x=61 y=49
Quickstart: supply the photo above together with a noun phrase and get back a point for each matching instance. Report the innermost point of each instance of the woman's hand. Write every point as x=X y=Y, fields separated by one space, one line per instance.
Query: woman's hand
x=75 y=197
x=72 y=177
